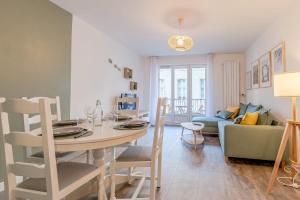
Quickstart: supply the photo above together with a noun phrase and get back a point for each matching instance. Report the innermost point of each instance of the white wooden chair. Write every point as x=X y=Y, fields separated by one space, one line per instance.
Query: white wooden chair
x=129 y=112
x=142 y=156
x=50 y=181
x=30 y=121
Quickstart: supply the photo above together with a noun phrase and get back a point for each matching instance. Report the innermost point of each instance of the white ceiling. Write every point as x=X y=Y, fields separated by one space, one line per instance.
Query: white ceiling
x=145 y=25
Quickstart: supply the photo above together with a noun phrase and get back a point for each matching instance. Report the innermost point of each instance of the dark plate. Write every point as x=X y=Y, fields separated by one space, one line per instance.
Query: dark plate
x=65 y=131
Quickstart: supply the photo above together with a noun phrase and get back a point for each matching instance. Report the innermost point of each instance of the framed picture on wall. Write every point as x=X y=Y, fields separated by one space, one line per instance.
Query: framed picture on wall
x=278 y=58
x=248 y=80
x=133 y=85
x=127 y=73
x=255 y=74
x=265 y=70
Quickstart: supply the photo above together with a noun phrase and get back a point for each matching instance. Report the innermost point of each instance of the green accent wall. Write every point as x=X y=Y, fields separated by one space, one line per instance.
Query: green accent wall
x=35 y=53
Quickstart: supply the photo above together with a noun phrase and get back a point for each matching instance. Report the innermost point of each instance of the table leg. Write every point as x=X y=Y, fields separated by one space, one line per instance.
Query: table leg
x=195 y=139
x=182 y=133
x=98 y=155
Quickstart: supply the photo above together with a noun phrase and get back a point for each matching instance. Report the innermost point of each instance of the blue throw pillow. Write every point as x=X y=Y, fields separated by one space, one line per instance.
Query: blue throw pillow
x=253 y=108
x=224 y=114
x=238 y=119
x=243 y=108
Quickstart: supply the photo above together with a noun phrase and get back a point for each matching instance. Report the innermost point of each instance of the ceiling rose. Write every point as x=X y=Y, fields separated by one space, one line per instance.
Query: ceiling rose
x=180 y=42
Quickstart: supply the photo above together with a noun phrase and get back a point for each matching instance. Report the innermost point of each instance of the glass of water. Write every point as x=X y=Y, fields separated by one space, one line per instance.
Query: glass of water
x=91 y=116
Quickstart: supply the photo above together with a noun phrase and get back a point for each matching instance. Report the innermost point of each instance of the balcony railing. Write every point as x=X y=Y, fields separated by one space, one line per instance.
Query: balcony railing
x=181 y=106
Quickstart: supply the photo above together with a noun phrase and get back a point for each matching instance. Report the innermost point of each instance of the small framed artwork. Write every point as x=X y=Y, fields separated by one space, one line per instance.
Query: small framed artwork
x=133 y=85
x=248 y=80
x=278 y=58
x=127 y=73
x=255 y=74
x=265 y=73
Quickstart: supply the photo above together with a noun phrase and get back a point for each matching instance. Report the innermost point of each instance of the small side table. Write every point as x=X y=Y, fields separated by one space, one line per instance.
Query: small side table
x=192 y=138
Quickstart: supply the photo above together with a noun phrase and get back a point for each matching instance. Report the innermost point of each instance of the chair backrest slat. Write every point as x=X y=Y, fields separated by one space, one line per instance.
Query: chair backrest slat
x=19 y=106
x=37 y=131
x=28 y=121
x=28 y=170
x=24 y=139
x=159 y=126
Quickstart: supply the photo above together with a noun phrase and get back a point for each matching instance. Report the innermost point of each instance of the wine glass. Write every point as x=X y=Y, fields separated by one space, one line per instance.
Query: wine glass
x=91 y=115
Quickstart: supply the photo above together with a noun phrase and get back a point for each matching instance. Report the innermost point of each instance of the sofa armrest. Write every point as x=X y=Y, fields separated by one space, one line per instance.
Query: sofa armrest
x=253 y=141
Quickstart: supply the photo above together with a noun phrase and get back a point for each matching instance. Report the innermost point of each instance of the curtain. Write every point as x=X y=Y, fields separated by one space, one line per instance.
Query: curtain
x=210 y=87
x=231 y=86
x=154 y=76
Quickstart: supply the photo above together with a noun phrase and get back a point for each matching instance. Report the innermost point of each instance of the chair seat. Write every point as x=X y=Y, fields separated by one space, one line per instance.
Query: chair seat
x=40 y=154
x=67 y=172
x=135 y=153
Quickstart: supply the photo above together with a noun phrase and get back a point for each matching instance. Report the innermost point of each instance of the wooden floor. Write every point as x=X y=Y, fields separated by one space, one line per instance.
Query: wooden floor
x=190 y=174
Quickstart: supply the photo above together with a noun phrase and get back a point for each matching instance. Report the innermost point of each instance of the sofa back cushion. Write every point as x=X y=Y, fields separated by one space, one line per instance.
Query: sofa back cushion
x=253 y=108
x=243 y=108
x=263 y=117
x=235 y=111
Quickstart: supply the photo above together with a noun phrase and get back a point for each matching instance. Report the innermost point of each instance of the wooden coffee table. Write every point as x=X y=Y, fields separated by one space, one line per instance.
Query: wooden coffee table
x=192 y=138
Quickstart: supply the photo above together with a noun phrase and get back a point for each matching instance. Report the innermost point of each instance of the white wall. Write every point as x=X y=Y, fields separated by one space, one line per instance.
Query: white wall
x=218 y=60
x=92 y=76
x=285 y=28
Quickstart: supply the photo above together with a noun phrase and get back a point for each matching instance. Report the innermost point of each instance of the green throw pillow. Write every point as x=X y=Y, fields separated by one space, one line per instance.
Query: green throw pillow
x=243 y=108
x=224 y=114
x=253 y=108
x=263 y=117
x=238 y=119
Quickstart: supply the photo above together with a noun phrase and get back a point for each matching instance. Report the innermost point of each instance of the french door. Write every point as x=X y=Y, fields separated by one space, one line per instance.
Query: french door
x=185 y=88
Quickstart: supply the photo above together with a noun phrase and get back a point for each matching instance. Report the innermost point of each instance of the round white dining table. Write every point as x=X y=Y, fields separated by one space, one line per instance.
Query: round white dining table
x=103 y=136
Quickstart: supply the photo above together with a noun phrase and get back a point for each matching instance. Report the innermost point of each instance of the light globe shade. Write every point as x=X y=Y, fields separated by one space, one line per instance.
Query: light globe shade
x=180 y=42
x=287 y=85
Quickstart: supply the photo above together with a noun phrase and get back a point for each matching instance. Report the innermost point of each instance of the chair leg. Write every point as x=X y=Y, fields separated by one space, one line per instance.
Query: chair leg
x=159 y=170
x=113 y=181
x=152 y=181
x=88 y=157
x=101 y=185
x=130 y=169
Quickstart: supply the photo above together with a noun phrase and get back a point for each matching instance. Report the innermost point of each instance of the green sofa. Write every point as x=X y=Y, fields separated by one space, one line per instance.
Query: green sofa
x=259 y=142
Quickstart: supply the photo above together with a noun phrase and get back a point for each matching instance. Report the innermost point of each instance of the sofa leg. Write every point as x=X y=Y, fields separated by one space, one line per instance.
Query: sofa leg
x=226 y=159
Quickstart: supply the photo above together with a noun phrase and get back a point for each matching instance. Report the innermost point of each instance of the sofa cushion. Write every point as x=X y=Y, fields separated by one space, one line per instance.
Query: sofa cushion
x=235 y=111
x=208 y=121
x=263 y=117
x=238 y=119
x=253 y=108
x=243 y=108
x=250 y=118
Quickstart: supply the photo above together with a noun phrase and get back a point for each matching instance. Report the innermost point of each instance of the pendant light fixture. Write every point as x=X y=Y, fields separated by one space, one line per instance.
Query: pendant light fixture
x=180 y=42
